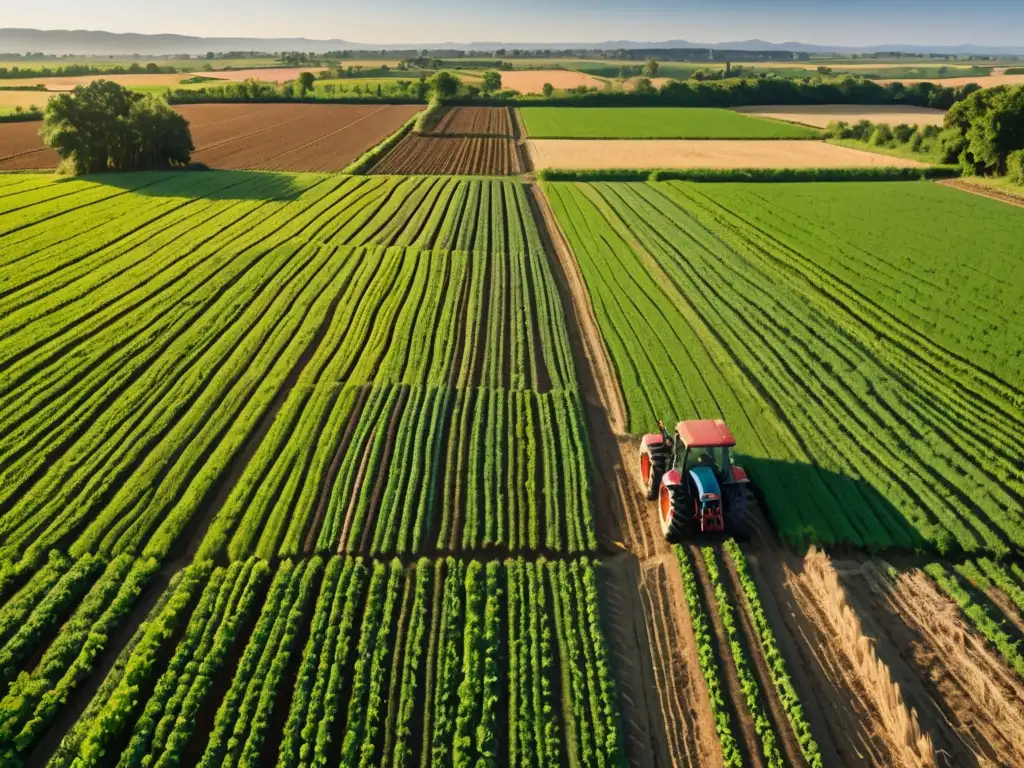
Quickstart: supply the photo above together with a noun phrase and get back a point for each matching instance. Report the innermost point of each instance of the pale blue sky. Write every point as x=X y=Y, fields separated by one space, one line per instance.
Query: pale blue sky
x=840 y=22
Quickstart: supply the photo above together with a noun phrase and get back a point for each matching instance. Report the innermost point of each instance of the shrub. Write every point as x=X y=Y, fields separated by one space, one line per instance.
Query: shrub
x=838 y=129
x=916 y=140
x=1015 y=167
x=903 y=132
x=881 y=135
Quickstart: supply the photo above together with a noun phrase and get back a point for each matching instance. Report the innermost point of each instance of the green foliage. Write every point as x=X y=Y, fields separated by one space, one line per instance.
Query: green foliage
x=444 y=85
x=548 y=89
x=770 y=175
x=773 y=291
x=655 y=123
x=105 y=127
x=983 y=130
x=306 y=81
x=651 y=68
x=492 y=81
x=1015 y=167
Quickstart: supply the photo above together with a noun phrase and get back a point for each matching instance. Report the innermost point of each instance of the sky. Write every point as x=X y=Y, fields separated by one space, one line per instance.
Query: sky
x=837 y=22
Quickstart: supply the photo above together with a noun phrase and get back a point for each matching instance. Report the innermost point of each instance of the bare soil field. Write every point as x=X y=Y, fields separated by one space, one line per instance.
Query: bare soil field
x=275 y=137
x=22 y=149
x=68 y=83
x=476 y=121
x=820 y=115
x=614 y=154
x=24 y=99
x=528 y=81
x=953 y=82
x=267 y=75
x=451 y=155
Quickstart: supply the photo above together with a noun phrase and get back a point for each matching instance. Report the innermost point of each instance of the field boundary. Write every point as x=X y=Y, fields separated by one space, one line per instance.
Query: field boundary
x=372 y=156
x=774 y=175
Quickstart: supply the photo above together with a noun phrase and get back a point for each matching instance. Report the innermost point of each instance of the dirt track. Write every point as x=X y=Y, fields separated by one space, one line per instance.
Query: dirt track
x=887 y=673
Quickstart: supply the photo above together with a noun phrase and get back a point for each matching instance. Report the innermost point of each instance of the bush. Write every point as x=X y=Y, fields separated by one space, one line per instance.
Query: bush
x=1015 y=167
x=881 y=136
x=902 y=133
x=861 y=130
x=105 y=127
x=916 y=140
x=838 y=129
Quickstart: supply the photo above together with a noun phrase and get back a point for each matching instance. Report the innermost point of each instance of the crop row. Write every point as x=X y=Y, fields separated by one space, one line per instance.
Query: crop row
x=979 y=611
x=729 y=596
x=768 y=338
x=318 y=662
x=52 y=629
x=146 y=352
x=476 y=121
x=478 y=156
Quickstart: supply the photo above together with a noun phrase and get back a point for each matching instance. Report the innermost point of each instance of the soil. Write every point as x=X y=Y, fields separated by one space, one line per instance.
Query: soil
x=268 y=137
x=567 y=154
x=481 y=156
x=476 y=121
x=676 y=727
x=532 y=81
x=967 y=698
x=21 y=148
x=820 y=115
x=955 y=82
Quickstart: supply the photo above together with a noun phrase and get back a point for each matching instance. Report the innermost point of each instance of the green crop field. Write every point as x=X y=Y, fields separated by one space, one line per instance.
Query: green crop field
x=330 y=427
x=862 y=340
x=654 y=123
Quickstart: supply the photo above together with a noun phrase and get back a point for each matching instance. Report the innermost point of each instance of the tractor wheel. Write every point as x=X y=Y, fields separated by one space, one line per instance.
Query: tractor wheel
x=653 y=464
x=677 y=526
x=739 y=500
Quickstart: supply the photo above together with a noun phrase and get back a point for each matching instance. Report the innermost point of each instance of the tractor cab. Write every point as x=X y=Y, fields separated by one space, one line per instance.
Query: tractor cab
x=691 y=475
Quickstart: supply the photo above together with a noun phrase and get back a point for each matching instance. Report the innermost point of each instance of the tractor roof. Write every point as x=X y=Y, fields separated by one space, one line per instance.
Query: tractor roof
x=705 y=433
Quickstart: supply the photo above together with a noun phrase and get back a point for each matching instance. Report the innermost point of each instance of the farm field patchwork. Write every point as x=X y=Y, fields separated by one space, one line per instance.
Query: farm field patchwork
x=653 y=123
x=820 y=115
x=280 y=137
x=478 y=156
x=611 y=154
x=532 y=81
x=885 y=308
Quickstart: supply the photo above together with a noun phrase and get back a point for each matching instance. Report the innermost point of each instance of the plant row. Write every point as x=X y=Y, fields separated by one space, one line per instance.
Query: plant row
x=320 y=662
x=148 y=331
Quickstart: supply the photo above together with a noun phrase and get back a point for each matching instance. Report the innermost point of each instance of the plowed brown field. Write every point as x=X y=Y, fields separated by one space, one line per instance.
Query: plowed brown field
x=476 y=121
x=273 y=137
x=450 y=155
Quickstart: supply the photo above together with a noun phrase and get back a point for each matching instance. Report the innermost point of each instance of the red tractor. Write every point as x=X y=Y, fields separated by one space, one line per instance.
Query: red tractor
x=691 y=475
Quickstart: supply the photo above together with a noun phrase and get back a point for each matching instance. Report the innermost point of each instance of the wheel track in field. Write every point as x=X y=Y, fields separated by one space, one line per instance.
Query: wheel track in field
x=663 y=704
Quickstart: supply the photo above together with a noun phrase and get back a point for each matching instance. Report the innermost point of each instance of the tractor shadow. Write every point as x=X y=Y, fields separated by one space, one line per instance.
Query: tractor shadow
x=807 y=505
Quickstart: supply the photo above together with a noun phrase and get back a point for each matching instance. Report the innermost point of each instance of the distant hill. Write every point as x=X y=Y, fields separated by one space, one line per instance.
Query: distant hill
x=93 y=43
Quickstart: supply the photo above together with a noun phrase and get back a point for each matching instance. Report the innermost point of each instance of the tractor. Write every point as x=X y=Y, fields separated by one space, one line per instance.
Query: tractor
x=693 y=479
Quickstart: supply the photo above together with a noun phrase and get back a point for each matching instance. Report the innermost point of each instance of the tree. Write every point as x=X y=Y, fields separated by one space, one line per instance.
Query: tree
x=492 y=81
x=444 y=85
x=211 y=55
x=824 y=71
x=548 y=90
x=105 y=127
x=651 y=68
x=644 y=85
x=306 y=80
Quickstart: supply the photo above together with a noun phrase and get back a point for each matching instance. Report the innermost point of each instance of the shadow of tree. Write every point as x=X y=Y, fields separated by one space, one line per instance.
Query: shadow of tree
x=209 y=185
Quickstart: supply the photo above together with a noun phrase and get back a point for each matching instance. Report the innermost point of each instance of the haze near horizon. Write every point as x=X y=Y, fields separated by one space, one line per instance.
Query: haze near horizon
x=823 y=22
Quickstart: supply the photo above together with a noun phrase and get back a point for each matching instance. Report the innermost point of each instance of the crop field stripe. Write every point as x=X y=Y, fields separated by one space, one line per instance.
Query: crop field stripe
x=660 y=226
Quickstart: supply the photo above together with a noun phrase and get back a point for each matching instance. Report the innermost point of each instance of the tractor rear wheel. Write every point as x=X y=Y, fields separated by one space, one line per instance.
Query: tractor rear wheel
x=676 y=526
x=653 y=463
x=738 y=501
